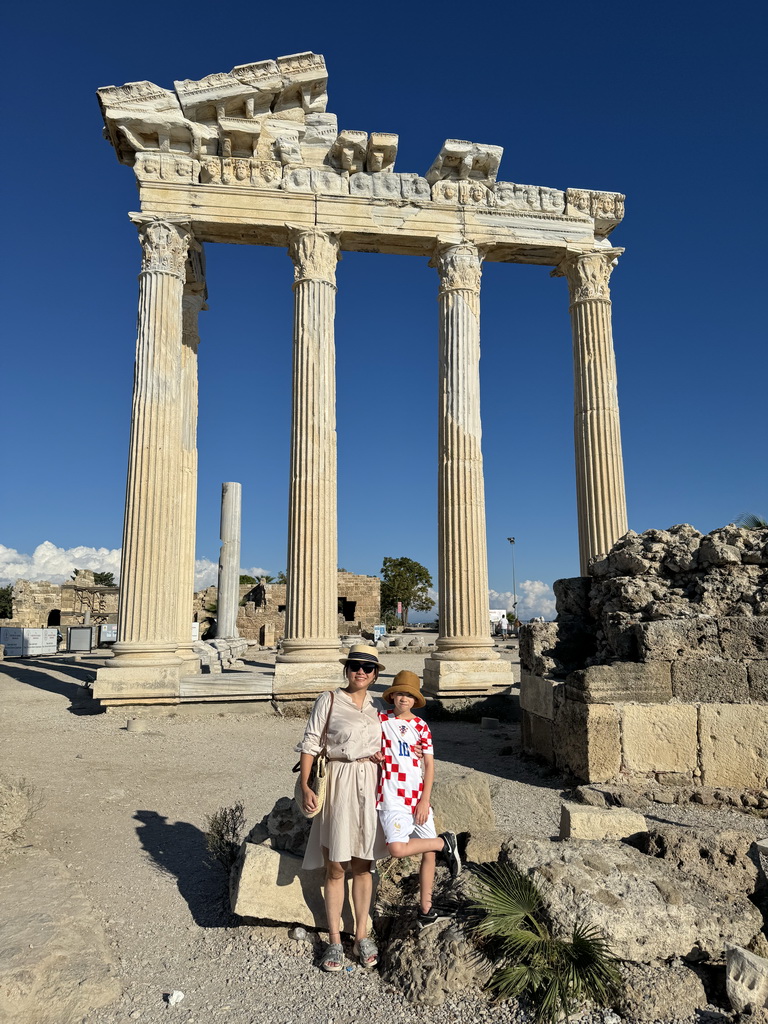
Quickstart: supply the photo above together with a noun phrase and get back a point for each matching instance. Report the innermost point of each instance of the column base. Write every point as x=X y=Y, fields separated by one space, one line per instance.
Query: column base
x=314 y=651
x=190 y=661
x=443 y=678
x=139 y=680
x=297 y=680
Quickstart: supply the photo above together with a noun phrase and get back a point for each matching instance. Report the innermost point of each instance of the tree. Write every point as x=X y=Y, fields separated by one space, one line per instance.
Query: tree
x=405 y=581
x=6 y=602
x=251 y=581
x=281 y=577
x=104 y=579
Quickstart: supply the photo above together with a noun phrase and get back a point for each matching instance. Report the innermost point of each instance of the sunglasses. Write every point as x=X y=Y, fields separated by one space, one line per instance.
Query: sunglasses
x=365 y=666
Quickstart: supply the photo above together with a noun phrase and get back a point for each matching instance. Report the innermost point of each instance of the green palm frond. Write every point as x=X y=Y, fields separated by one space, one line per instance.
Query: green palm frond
x=751 y=522
x=554 y=975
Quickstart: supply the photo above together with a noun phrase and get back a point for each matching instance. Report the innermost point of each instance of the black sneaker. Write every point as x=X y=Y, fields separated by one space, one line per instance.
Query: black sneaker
x=424 y=920
x=451 y=852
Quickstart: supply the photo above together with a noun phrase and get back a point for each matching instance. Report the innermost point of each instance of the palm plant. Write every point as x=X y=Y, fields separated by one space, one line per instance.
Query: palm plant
x=752 y=522
x=554 y=975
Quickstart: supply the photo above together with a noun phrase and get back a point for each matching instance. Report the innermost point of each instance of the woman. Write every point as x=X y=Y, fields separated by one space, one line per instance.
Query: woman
x=346 y=834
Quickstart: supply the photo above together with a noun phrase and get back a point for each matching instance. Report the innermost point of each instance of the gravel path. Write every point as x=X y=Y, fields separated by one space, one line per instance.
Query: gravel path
x=125 y=812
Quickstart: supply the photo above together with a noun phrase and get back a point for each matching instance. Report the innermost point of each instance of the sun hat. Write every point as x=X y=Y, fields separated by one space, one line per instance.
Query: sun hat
x=362 y=652
x=408 y=683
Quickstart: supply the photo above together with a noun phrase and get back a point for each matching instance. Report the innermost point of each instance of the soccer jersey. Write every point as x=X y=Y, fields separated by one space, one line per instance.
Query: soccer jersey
x=400 y=779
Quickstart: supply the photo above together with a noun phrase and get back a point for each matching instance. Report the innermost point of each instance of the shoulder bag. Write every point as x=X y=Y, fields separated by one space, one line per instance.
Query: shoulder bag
x=318 y=775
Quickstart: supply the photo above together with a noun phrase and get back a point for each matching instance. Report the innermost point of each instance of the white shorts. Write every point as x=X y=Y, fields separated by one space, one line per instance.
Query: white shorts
x=398 y=826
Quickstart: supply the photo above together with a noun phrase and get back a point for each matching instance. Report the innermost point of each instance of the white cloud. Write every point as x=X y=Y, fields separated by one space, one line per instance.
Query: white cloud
x=534 y=598
x=48 y=562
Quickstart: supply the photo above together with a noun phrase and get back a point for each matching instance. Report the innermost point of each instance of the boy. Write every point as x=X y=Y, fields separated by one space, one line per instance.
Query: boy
x=402 y=798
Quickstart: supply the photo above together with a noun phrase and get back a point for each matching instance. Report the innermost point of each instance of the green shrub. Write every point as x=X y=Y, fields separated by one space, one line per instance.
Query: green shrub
x=555 y=976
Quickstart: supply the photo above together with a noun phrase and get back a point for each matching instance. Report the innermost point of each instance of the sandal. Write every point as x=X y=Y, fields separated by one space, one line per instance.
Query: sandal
x=332 y=959
x=366 y=952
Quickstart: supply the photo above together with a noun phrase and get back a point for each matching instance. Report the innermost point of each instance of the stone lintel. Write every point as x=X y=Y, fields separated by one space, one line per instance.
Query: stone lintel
x=138 y=681
x=300 y=680
x=229 y=213
x=465 y=678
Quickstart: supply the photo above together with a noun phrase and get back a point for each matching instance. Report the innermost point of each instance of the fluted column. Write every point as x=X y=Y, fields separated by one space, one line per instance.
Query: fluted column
x=600 y=497
x=309 y=658
x=465 y=660
x=192 y=303
x=145 y=659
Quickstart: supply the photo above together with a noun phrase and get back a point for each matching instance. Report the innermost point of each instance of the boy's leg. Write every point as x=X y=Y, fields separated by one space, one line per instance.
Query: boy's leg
x=426 y=881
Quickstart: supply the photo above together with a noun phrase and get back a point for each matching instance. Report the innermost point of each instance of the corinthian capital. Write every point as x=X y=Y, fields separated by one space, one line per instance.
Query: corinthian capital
x=458 y=265
x=588 y=273
x=314 y=254
x=165 y=243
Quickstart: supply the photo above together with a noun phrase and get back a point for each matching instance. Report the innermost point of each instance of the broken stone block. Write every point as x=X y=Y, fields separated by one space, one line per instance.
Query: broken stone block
x=670 y=992
x=537 y=641
x=659 y=737
x=744 y=636
x=669 y=639
x=757 y=678
x=537 y=736
x=463 y=803
x=746 y=979
x=620 y=682
x=537 y=694
x=578 y=821
x=734 y=745
x=270 y=885
x=484 y=846
x=711 y=680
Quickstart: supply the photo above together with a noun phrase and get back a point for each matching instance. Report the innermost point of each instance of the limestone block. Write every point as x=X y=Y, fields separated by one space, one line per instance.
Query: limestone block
x=711 y=680
x=648 y=683
x=578 y=821
x=55 y=965
x=538 y=736
x=537 y=694
x=537 y=639
x=572 y=596
x=721 y=858
x=746 y=979
x=734 y=745
x=484 y=846
x=668 y=639
x=137 y=681
x=670 y=992
x=587 y=740
x=659 y=738
x=757 y=677
x=648 y=909
x=463 y=678
x=462 y=803
x=270 y=885
x=744 y=636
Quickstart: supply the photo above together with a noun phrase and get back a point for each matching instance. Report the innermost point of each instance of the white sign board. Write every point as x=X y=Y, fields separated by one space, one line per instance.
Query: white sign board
x=107 y=632
x=79 y=638
x=195 y=631
x=378 y=632
x=13 y=641
x=27 y=643
x=497 y=614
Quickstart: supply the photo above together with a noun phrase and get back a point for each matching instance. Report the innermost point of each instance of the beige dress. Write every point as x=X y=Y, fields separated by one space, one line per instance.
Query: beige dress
x=348 y=825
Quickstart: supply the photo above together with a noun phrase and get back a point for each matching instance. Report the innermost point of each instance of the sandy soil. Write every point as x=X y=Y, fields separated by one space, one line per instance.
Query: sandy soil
x=125 y=812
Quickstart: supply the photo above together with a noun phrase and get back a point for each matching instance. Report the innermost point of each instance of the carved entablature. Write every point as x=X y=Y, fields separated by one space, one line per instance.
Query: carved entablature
x=606 y=208
x=265 y=126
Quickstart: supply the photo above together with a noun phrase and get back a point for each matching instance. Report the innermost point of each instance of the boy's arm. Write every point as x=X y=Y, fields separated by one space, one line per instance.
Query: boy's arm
x=422 y=808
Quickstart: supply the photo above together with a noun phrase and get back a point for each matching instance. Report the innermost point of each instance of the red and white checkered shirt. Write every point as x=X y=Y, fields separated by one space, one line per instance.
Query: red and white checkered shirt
x=400 y=778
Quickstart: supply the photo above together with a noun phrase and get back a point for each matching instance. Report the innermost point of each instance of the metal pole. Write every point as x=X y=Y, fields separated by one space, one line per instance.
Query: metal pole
x=514 y=581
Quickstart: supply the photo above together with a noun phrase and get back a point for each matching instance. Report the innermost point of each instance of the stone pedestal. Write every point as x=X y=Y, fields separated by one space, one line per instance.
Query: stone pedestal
x=145 y=662
x=465 y=661
x=229 y=562
x=600 y=497
x=309 y=661
x=192 y=303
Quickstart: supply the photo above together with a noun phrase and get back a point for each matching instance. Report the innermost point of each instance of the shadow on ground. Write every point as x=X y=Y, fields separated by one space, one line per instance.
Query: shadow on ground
x=179 y=849
x=44 y=674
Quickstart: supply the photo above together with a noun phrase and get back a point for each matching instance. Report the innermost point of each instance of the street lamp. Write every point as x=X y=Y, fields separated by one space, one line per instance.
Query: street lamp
x=514 y=582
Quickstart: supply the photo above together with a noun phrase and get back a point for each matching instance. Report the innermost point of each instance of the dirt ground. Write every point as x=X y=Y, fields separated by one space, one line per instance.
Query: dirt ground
x=125 y=811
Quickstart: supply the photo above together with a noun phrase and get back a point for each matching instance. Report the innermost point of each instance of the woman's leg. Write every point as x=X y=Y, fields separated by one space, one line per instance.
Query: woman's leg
x=362 y=890
x=333 y=896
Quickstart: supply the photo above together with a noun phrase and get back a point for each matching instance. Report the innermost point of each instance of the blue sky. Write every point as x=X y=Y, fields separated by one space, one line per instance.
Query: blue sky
x=664 y=102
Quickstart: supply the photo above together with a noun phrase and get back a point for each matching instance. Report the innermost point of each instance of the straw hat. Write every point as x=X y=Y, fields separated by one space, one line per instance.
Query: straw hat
x=408 y=683
x=363 y=652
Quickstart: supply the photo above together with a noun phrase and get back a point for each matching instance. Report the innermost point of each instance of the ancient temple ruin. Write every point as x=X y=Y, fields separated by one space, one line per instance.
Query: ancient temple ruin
x=252 y=156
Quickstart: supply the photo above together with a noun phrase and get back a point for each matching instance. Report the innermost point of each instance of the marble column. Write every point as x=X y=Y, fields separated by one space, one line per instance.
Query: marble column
x=229 y=562
x=309 y=661
x=600 y=497
x=192 y=303
x=465 y=661
x=145 y=662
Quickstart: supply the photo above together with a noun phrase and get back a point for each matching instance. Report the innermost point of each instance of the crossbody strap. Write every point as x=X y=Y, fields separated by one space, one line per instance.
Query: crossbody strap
x=324 y=737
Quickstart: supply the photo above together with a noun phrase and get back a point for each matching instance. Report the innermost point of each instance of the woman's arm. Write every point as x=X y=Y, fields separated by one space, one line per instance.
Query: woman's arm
x=310 y=799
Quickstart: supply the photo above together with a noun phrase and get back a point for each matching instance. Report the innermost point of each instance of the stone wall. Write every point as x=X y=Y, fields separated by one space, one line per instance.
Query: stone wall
x=37 y=604
x=657 y=666
x=261 y=616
